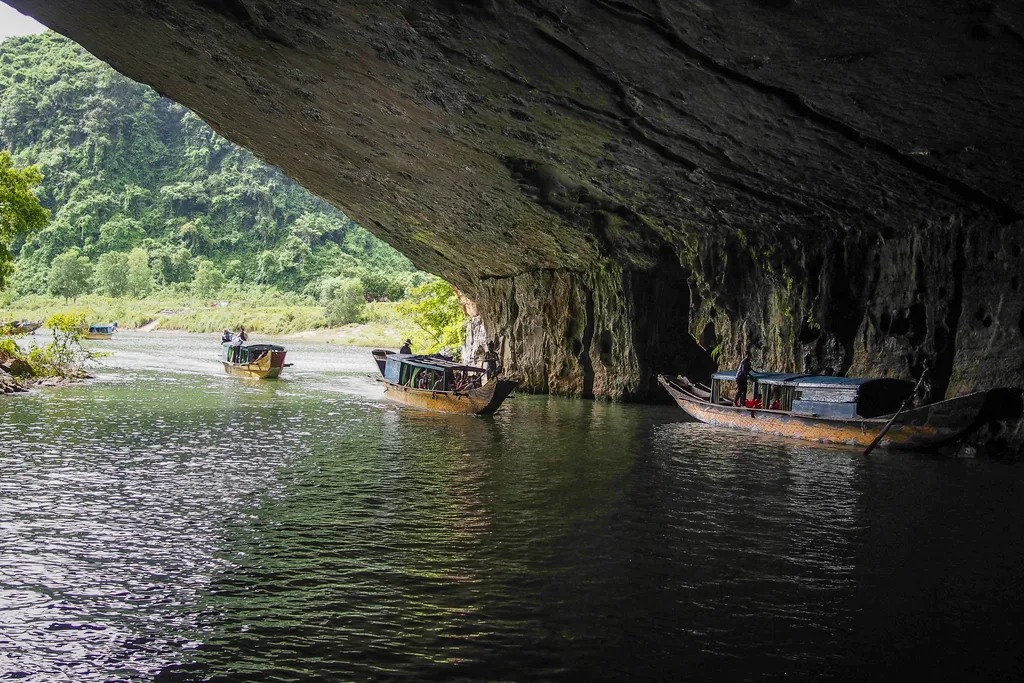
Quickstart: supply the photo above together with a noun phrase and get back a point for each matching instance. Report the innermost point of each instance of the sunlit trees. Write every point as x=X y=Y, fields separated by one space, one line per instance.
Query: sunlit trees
x=208 y=280
x=69 y=275
x=343 y=300
x=20 y=212
x=112 y=273
x=140 y=277
x=436 y=310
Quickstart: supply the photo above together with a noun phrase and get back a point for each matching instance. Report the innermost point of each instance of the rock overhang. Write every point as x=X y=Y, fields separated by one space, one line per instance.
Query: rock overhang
x=776 y=159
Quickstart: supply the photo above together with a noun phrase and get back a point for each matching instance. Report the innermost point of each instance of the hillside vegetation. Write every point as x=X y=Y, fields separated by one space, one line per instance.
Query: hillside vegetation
x=126 y=169
x=154 y=218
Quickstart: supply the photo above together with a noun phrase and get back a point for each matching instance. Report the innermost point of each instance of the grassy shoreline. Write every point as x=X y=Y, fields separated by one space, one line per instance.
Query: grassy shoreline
x=381 y=325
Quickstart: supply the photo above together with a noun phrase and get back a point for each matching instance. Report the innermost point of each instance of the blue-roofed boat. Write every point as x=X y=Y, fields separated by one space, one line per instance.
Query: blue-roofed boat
x=838 y=410
x=100 y=331
x=437 y=383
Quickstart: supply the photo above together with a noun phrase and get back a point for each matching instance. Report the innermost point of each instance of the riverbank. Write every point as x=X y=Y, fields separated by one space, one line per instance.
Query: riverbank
x=381 y=324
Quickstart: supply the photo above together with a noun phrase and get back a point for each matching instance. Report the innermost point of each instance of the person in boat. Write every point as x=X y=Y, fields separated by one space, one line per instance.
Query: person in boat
x=236 y=348
x=438 y=383
x=742 y=376
x=406 y=347
x=491 y=361
x=241 y=334
x=226 y=336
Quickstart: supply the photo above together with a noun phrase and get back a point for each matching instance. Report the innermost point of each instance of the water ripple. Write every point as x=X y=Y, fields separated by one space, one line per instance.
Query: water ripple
x=186 y=526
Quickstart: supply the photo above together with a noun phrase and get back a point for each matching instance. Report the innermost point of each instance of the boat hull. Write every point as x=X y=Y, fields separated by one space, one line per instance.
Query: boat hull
x=97 y=335
x=920 y=428
x=267 y=367
x=480 y=401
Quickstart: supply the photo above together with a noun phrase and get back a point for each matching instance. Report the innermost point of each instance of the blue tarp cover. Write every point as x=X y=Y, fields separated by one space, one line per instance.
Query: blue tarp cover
x=766 y=377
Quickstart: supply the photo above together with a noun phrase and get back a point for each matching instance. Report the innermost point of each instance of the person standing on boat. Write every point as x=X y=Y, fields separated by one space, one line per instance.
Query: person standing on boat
x=406 y=347
x=241 y=334
x=491 y=361
x=742 y=375
x=236 y=348
x=226 y=336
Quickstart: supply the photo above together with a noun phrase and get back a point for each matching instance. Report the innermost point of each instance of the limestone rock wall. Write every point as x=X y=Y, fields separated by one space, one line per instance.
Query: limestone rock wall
x=947 y=296
x=835 y=184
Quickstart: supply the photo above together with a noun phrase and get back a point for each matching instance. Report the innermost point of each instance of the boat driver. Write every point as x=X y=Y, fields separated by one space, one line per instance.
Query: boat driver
x=742 y=375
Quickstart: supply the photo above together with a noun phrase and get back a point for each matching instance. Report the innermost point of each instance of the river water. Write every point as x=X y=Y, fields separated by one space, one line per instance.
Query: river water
x=166 y=522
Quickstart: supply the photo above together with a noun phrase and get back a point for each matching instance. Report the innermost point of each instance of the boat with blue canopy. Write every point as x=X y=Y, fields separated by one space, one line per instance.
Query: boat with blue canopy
x=841 y=410
x=105 y=331
x=438 y=383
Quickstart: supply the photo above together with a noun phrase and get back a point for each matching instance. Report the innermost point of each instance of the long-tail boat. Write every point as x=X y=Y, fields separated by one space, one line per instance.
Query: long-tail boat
x=836 y=410
x=431 y=383
x=99 y=331
x=256 y=361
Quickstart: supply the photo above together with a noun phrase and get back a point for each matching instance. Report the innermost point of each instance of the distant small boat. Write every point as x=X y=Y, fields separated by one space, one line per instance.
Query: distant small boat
x=99 y=332
x=400 y=374
x=256 y=361
x=22 y=327
x=836 y=410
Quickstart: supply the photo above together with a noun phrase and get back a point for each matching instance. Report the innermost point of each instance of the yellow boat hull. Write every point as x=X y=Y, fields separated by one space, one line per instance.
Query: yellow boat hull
x=97 y=335
x=919 y=428
x=261 y=369
x=480 y=401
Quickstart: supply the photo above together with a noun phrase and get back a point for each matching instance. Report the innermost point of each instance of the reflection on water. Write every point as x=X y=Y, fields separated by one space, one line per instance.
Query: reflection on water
x=168 y=522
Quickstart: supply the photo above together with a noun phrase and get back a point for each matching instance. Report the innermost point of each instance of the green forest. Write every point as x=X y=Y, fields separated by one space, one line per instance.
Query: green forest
x=145 y=198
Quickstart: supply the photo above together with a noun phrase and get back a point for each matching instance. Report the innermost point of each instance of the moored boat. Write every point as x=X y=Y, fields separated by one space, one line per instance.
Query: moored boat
x=433 y=383
x=100 y=331
x=836 y=410
x=255 y=361
x=21 y=327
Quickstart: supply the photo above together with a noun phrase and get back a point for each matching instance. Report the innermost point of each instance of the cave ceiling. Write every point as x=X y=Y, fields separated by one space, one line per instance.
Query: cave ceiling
x=489 y=138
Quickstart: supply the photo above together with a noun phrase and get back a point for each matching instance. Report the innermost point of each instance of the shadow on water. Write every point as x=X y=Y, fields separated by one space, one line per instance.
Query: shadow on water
x=188 y=526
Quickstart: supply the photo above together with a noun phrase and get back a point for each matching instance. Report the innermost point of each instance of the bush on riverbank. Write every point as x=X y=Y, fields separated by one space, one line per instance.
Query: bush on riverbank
x=64 y=357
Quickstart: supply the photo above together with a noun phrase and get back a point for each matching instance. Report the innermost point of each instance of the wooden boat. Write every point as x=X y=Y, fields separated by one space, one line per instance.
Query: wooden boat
x=256 y=361
x=99 y=331
x=22 y=327
x=404 y=374
x=835 y=410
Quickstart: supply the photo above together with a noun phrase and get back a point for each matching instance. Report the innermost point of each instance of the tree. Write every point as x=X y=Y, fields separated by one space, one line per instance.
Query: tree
x=112 y=273
x=69 y=275
x=435 y=308
x=208 y=280
x=140 y=277
x=343 y=301
x=20 y=211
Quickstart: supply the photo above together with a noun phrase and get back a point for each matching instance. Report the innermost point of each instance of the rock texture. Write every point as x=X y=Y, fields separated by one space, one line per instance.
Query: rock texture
x=624 y=186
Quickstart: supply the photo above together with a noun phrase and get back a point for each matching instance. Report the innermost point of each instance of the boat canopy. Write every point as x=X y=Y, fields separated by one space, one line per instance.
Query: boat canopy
x=760 y=377
x=259 y=347
x=822 y=395
x=102 y=329
x=247 y=353
x=415 y=363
